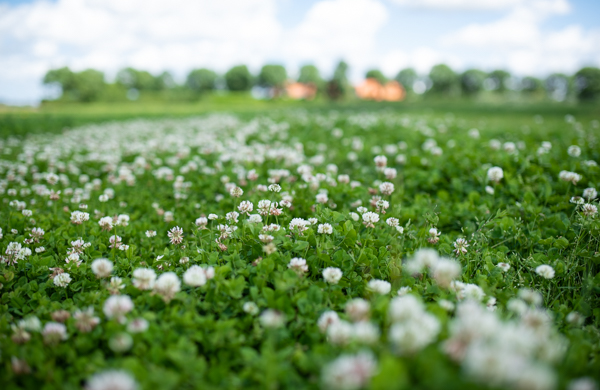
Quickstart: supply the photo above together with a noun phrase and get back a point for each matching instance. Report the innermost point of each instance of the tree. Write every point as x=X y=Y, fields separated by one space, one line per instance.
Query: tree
x=377 y=75
x=339 y=86
x=587 y=83
x=165 y=80
x=558 y=86
x=407 y=78
x=238 y=78
x=138 y=79
x=445 y=81
x=85 y=86
x=471 y=81
x=201 y=80
x=310 y=74
x=496 y=81
x=531 y=85
x=273 y=76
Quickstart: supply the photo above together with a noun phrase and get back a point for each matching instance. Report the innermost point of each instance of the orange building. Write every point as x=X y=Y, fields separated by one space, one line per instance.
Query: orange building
x=299 y=91
x=371 y=89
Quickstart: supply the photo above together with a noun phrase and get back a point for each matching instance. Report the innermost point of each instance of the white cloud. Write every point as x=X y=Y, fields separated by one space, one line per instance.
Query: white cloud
x=337 y=29
x=153 y=34
x=555 y=6
x=519 y=42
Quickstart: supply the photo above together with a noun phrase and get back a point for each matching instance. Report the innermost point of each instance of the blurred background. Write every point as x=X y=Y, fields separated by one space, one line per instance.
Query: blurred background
x=190 y=52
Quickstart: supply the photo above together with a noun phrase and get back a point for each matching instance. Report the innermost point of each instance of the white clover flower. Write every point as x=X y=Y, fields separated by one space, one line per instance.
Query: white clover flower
x=379 y=286
x=298 y=265
x=54 y=332
x=545 y=271
x=460 y=246
x=106 y=223
x=365 y=332
x=386 y=188
x=103 y=198
x=62 y=280
x=489 y=190
x=446 y=304
x=245 y=207
x=445 y=271
x=589 y=210
x=299 y=225
x=467 y=290
x=585 y=383
x=349 y=372
x=569 y=176
x=574 y=151
x=137 y=325
x=254 y=218
x=325 y=228
x=236 y=192
x=410 y=336
x=358 y=309
x=167 y=285
x=434 y=235
x=176 y=235
x=150 y=233
x=78 y=217
x=393 y=222
x=326 y=319
x=272 y=319
x=111 y=380
x=370 y=218
x=590 y=193
x=380 y=162
x=30 y=323
x=322 y=198
x=85 y=321
x=355 y=217
x=332 y=275
x=339 y=332
x=116 y=306
x=102 y=268
x=495 y=174
x=195 y=276
x=274 y=188
x=143 y=278
x=250 y=308
x=503 y=266
x=212 y=217
x=532 y=297
x=123 y=220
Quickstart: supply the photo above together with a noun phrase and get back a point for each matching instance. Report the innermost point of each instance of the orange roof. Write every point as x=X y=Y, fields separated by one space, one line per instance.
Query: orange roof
x=371 y=89
x=301 y=91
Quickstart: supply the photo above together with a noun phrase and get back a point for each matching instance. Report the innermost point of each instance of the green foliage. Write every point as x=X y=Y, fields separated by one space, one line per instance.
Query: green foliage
x=407 y=78
x=273 y=76
x=339 y=86
x=310 y=74
x=201 y=80
x=472 y=80
x=84 y=86
x=377 y=75
x=444 y=80
x=142 y=80
x=498 y=80
x=587 y=81
x=238 y=78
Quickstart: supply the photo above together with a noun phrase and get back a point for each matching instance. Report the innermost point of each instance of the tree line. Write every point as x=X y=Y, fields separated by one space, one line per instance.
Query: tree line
x=91 y=85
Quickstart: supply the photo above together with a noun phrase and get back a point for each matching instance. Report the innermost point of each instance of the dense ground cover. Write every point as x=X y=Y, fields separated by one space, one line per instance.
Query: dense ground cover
x=331 y=250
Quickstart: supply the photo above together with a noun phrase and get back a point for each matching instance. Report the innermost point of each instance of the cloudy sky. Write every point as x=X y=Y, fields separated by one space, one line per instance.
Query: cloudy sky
x=523 y=36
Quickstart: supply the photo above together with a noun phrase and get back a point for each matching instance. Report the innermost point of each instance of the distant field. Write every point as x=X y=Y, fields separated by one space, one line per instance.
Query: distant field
x=55 y=117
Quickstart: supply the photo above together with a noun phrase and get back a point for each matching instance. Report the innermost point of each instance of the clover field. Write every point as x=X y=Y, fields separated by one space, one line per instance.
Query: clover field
x=296 y=250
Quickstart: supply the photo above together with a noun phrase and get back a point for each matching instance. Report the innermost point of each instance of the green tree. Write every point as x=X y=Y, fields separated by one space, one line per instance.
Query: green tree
x=377 y=75
x=558 y=86
x=138 y=79
x=201 y=80
x=238 y=78
x=310 y=74
x=273 y=76
x=165 y=80
x=531 y=85
x=587 y=83
x=85 y=86
x=338 y=87
x=407 y=78
x=497 y=80
x=444 y=79
x=471 y=81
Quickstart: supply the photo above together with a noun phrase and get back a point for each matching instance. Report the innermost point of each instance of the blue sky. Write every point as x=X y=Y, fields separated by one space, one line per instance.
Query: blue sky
x=536 y=37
